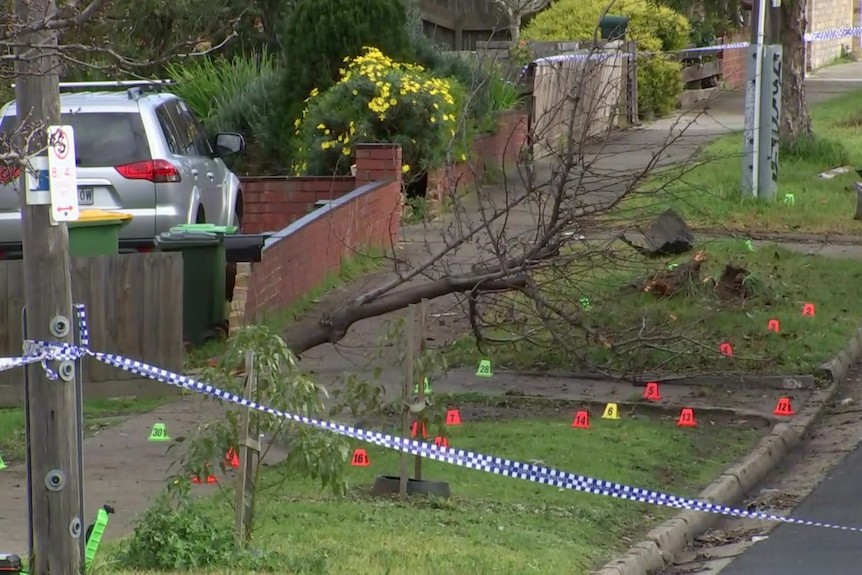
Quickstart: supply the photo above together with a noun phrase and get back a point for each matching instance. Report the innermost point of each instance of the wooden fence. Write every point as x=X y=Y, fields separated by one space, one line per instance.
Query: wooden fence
x=589 y=95
x=702 y=75
x=134 y=309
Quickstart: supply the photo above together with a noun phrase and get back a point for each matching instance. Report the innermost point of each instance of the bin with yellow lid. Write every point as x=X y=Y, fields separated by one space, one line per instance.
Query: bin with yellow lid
x=97 y=233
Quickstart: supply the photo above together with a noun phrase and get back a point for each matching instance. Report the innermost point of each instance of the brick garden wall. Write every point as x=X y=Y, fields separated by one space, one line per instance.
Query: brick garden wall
x=298 y=258
x=271 y=203
x=500 y=150
x=733 y=62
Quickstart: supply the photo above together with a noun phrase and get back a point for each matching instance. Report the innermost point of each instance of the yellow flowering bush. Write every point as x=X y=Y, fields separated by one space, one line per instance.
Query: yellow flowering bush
x=378 y=99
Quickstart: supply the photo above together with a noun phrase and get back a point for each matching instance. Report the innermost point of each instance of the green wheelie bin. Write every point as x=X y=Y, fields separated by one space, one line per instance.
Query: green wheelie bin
x=204 y=261
x=96 y=233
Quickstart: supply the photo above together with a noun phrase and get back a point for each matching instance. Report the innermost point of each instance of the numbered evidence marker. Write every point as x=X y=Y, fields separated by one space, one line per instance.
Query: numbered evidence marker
x=427 y=388
x=484 y=368
x=360 y=458
x=783 y=407
x=612 y=411
x=686 y=418
x=582 y=420
x=159 y=433
x=62 y=174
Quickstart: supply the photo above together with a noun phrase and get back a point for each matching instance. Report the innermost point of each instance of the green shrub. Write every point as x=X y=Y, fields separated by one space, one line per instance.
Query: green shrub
x=183 y=536
x=235 y=95
x=320 y=34
x=655 y=28
x=379 y=99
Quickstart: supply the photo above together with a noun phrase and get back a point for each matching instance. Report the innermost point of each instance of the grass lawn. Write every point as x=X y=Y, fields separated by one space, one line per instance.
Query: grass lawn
x=709 y=196
x=492 y=524
x=98 y=415
x=637 y=332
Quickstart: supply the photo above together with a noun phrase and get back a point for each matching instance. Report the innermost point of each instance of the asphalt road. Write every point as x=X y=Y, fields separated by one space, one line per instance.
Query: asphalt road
x=797 y=550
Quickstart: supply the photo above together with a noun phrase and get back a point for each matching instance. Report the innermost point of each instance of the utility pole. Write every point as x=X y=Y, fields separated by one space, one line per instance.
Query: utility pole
x=54 y=478
x=763 y=102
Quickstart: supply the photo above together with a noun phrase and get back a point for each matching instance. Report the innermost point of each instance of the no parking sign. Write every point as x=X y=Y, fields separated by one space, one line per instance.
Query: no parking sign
x=62 y=174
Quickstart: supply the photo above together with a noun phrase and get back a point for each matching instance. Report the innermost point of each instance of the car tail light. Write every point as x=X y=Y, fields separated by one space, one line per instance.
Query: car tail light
x=156 y=171
x=8 y=175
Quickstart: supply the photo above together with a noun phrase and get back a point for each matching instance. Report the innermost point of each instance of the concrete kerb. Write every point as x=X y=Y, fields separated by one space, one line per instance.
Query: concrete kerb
x=673 y=536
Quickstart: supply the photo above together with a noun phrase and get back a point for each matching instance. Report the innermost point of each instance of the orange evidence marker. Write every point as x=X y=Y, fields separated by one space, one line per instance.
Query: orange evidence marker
x=808 y=310
x=726 y=349
x=453 y=417
x=360 y=458
x=582 y=420
x=651 y=392
x=783 y=407
x=773 y=325
x=686 y=418
x=210 y=477
x=441 y=441
x=231 y=459
x=414 y=430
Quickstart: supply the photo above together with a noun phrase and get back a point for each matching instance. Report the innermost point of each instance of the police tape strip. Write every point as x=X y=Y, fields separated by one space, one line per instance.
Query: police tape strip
x=833 y=34
x=45 y=351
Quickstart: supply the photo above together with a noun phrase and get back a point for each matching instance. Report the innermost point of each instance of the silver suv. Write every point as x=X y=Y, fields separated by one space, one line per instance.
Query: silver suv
x=140 y=152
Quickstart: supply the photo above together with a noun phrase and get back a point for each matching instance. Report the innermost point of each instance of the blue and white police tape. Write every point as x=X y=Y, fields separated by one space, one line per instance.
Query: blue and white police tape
x=471 y=460
x=833 y=34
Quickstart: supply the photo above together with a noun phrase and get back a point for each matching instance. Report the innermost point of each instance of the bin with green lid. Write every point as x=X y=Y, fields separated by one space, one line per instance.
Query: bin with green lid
x=97 y=233
x=203 y=279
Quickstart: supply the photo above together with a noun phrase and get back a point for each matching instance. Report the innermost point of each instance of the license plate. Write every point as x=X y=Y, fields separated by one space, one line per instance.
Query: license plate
x=85 y=196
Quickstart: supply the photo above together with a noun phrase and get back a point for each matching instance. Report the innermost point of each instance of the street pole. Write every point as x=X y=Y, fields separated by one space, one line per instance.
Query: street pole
x=758 y=99
x=54 y=481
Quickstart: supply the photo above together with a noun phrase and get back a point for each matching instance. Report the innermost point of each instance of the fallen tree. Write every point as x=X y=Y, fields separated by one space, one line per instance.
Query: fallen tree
x=502 y=242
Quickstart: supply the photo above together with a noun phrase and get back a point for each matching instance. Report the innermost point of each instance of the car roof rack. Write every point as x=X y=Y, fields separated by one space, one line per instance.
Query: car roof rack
x=134 y=88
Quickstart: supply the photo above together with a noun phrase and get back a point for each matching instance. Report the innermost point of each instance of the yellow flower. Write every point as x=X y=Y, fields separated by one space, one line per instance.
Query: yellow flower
x=405 y=168
x=345 y=150
x=321 y=127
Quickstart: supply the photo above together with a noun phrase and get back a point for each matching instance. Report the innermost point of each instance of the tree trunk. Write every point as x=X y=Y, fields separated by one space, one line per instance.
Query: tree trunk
x=795 y=121
x=515 y=28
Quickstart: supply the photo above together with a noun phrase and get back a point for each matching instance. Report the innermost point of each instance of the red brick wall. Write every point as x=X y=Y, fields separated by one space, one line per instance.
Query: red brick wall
x=299 y=257
x=733 y=62
x=272 y=203
x=501 y=150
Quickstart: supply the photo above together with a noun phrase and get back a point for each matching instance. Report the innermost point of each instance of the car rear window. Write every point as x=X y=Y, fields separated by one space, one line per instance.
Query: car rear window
x=101 y=139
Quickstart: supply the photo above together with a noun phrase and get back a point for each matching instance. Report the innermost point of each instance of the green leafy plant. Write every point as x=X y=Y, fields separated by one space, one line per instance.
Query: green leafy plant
x=279 y=384
x=235 y=95
x=177 y=534
x=320 y=34
x=654 y=27
x=379 y=99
